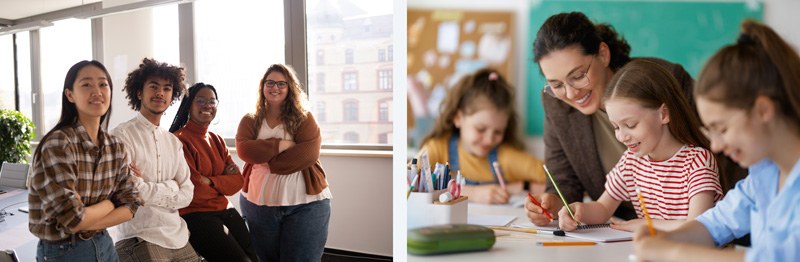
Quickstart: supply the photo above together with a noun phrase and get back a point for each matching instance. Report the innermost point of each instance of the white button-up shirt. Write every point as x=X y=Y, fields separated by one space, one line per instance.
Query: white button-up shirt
x=164 y=187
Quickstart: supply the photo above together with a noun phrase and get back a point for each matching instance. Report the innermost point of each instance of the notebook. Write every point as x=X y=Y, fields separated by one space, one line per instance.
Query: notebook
x=597 y=232
x=600 y=233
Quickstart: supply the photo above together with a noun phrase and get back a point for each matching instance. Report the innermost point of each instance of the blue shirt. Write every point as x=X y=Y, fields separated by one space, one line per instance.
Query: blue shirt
x=756 y=206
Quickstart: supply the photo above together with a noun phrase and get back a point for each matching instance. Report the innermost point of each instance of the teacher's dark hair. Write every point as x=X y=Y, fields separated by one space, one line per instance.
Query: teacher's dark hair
x=567 y=29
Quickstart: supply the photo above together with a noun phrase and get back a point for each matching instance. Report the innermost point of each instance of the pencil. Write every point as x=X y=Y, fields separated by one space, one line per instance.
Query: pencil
x=499 y=175
x=516 y=229
x=540 y=206
x=644 y=211
x=572 y=215
x=558 y=244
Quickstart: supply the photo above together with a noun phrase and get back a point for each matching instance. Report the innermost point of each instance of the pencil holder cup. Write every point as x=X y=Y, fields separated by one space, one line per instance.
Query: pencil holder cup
x=424 y=209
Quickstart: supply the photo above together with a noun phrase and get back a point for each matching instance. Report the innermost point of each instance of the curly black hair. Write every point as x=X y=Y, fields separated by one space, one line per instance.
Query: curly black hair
x=150 y=67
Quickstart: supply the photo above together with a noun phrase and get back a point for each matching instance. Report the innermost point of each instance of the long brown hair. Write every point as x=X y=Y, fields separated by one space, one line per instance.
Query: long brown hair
x=761 y=63
x=653 y=86
x=463 y=96
x=293 y=111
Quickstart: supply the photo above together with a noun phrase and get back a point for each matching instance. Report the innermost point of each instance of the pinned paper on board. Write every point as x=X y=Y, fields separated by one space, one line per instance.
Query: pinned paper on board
x=447 y=38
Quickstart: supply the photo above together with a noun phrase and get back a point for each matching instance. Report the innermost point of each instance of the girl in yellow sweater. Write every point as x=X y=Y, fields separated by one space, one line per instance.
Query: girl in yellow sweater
x=477 y=127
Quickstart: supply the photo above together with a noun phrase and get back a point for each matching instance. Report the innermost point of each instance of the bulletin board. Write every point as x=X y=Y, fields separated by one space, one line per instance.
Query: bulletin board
x=683 y=32
x=444 y=45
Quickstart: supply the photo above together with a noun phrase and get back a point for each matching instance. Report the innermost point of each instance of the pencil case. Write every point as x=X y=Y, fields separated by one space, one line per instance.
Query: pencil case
x=449 y=239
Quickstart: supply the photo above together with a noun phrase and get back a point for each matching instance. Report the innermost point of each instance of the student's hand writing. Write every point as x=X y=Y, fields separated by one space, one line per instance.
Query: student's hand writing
x=231 y=169
x=629 y=225
x=135 y=170
x=536 y=214
x=284 y=144
x=565 y=221
x=486 y=194
x=650 y=248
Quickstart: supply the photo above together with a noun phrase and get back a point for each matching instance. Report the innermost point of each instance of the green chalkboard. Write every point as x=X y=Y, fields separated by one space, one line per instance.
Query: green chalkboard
x=682 y=32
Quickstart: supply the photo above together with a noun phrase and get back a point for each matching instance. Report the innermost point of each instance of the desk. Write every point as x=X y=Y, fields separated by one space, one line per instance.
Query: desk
x=522 y=246
x=14 y=233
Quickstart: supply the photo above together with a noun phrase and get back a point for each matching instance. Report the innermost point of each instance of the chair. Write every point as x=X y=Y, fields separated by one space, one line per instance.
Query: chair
x=14 y=175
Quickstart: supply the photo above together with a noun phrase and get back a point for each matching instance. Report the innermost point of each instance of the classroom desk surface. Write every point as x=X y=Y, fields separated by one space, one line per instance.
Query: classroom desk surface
x=14 y=232
x=517 y=246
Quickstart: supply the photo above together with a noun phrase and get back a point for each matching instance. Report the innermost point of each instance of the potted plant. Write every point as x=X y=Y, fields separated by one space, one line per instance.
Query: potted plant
x=16 y=133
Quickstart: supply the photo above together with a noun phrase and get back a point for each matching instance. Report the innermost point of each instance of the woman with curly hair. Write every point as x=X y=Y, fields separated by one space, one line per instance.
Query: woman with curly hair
x=285 y=199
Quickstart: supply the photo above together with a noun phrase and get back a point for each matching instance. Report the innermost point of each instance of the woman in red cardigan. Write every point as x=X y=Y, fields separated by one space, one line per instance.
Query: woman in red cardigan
x=215 y=176
x=285 y=199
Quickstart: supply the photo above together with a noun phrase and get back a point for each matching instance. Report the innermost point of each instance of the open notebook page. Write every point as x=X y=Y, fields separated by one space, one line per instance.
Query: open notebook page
x=598 y=232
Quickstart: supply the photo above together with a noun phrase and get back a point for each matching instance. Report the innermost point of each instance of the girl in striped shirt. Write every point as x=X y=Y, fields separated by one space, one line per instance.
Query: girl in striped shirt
x=666 y=158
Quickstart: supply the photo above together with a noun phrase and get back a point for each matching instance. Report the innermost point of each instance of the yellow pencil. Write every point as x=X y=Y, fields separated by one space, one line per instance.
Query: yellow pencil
x=644 y=211
x=516 y=229
x=557 y=244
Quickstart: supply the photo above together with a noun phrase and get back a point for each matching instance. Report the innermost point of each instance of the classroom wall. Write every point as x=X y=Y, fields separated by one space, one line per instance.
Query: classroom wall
x=361 y=208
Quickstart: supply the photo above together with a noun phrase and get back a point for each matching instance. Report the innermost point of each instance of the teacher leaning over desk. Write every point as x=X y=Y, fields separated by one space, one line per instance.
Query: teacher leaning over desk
x=577 y=59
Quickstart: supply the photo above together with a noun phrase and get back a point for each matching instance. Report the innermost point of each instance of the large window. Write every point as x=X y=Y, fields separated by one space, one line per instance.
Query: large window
x=62 y=45
x=356 y=35
x=236 y=41
x=6 y=72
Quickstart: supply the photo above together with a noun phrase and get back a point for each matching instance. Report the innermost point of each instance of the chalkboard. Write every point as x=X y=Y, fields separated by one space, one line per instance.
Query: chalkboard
x=682 y=32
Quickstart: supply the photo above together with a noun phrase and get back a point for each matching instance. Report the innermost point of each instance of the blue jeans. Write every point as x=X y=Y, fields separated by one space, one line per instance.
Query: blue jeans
x=99 y=248
x=288 y=233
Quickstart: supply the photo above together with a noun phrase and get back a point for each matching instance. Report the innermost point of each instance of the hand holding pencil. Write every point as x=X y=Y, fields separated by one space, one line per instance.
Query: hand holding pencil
x=569 y=222
x=539 y=209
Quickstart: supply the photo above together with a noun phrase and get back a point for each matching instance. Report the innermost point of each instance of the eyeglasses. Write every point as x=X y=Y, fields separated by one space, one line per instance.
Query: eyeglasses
x=281 y=84
x=202 y=102
x=578 y=80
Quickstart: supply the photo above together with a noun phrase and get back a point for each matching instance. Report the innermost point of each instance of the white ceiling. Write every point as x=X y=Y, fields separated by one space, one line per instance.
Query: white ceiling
x=16 y=9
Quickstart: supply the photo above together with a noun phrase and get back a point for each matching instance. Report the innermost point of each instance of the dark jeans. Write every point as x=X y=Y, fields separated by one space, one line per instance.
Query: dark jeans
x=288 y=233
x=99 y=248
x=208 y=237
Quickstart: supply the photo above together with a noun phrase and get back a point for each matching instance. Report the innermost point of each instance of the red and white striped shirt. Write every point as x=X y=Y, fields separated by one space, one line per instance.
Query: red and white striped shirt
x=666 y=185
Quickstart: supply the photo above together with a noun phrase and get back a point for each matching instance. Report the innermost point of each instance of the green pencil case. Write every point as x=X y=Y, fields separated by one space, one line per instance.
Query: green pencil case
x=449 y=239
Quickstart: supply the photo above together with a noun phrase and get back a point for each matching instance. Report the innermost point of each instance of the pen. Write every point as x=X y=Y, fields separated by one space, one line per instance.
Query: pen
x=557 y=244
x=540 y=206
x=644 y=211
x=572 y=215
x=524 y=230
x=499 y=175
